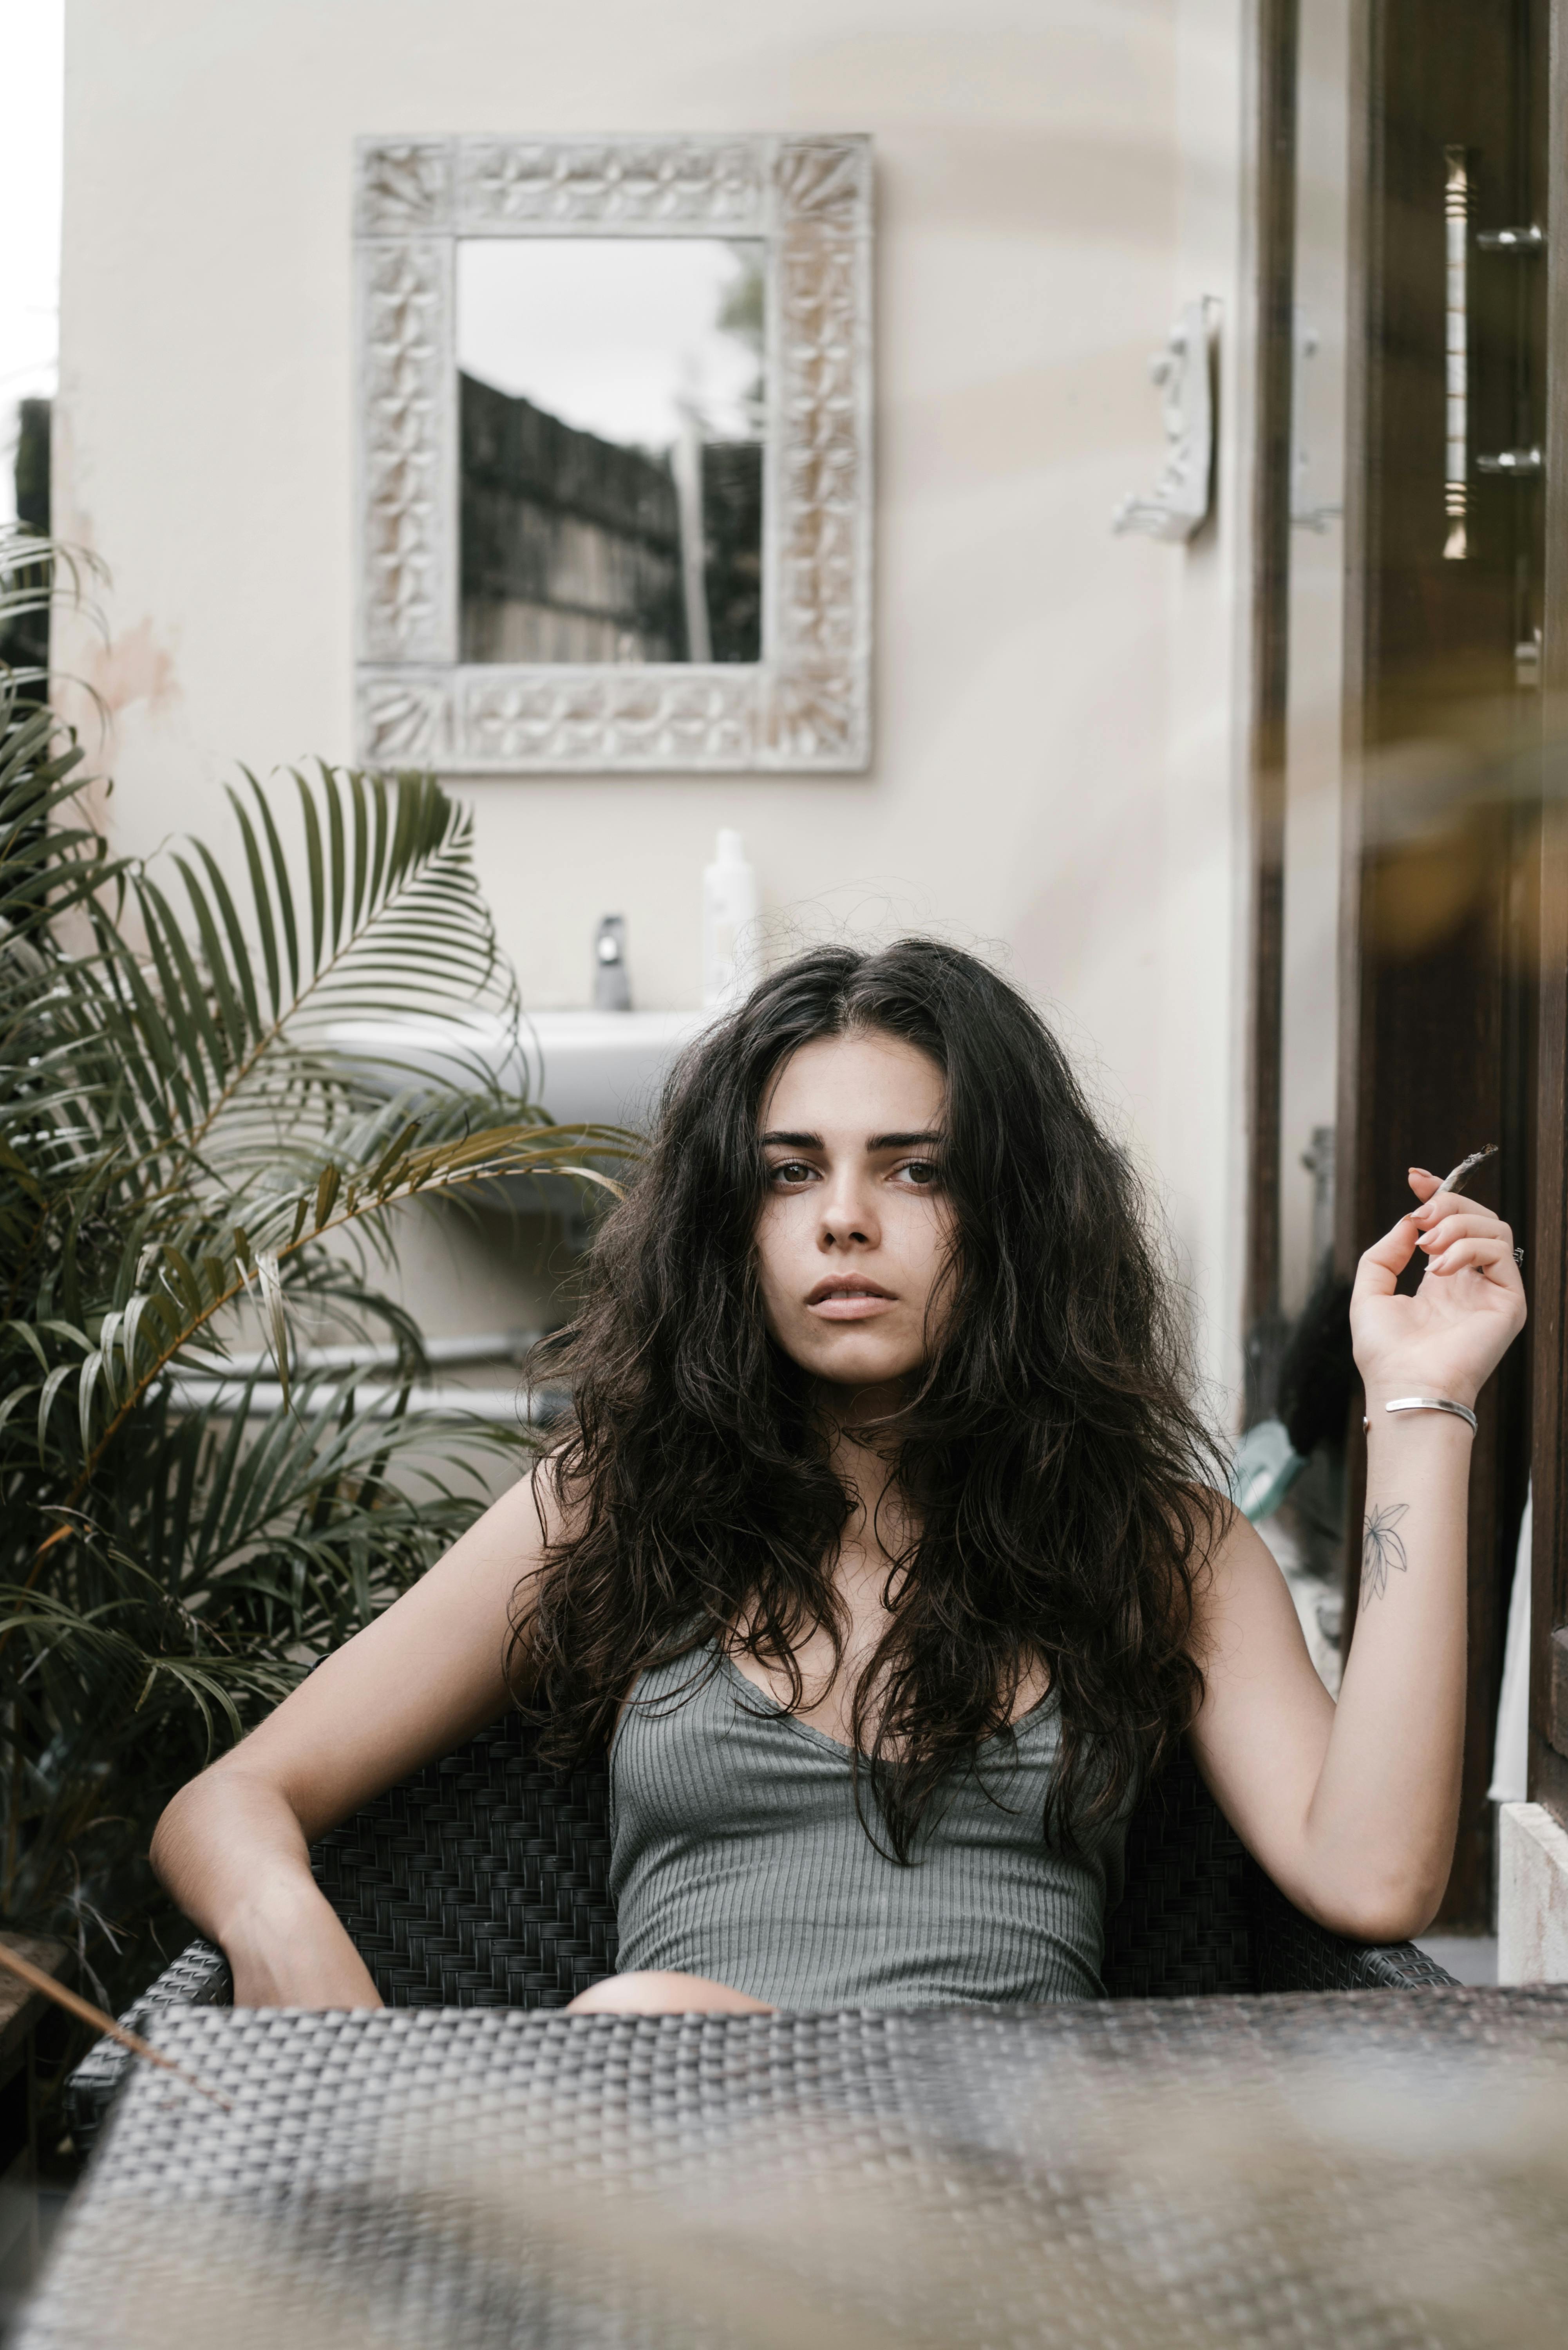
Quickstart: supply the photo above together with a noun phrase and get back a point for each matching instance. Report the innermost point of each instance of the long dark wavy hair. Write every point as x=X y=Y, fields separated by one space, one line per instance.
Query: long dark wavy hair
x=1049 y=1461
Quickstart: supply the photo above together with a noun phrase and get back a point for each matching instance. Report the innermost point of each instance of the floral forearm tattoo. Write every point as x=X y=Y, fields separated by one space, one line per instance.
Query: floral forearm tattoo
x=1382 y=1548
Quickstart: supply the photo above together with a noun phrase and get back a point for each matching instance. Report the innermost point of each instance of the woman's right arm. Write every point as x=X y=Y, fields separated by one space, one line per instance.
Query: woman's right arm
x=233 y=1848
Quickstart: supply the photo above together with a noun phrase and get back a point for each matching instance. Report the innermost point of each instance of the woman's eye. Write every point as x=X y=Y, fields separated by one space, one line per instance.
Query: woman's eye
x=922 y=1172
x=790 y=1170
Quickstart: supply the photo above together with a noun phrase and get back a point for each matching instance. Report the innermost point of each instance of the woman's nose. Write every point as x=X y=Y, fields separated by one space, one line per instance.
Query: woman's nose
x=849 y=1218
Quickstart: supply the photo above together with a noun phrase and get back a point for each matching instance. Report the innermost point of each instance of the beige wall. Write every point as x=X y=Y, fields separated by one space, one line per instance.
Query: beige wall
x=1058 y=757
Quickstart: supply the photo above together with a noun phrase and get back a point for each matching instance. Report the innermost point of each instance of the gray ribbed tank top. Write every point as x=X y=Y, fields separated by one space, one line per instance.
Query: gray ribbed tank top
x=737 y=1853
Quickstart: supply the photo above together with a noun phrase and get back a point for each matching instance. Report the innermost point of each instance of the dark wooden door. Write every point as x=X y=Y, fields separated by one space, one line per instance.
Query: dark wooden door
x=1549 y=1281
x=1446 y=555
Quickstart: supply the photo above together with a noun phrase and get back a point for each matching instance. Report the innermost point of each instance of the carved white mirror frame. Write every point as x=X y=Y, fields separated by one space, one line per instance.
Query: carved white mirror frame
x=807 y=704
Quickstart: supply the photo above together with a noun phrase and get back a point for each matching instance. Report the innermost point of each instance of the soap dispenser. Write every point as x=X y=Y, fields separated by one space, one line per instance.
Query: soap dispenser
x=730 y=931
x=612 y=981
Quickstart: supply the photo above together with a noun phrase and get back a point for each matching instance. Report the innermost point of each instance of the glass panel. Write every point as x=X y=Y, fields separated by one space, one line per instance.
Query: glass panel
x=612 y=404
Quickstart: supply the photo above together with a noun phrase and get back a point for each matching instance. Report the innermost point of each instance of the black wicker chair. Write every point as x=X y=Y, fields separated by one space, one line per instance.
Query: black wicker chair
x=480 y=1882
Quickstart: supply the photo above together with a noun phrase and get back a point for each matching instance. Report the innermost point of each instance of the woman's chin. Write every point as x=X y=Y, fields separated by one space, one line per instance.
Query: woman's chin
x=859 y=1363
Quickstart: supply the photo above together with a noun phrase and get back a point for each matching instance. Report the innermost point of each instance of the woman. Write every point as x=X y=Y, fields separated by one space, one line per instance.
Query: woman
x=883 y=1552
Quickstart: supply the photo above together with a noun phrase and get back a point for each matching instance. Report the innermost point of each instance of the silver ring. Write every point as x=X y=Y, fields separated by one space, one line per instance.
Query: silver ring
x=1519 y=1259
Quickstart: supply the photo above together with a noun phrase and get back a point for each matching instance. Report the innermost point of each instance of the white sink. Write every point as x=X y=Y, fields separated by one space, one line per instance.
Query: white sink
x=598 y=1068
x=606 y=1066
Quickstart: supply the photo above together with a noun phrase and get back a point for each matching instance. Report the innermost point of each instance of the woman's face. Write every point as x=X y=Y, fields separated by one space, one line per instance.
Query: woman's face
x=854 y=1236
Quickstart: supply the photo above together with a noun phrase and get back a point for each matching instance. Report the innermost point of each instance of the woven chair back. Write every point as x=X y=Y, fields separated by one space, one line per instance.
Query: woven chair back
x=482 y=1881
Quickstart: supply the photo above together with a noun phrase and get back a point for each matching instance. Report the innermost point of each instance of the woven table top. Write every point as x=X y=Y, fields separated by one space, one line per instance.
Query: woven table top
x=1364 y=2169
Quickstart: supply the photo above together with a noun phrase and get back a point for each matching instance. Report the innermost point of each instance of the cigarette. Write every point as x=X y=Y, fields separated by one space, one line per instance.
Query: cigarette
x=1466 y=1169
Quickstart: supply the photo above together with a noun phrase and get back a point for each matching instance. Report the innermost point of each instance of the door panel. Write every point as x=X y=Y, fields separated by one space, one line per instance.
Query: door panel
x=1442 y=804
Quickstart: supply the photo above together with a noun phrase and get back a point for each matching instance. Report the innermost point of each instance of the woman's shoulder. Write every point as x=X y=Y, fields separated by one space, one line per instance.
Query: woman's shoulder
x=1242 y=1606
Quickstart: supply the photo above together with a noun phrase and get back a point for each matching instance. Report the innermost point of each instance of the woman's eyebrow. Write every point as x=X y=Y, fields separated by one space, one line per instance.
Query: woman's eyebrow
x=873 y=1142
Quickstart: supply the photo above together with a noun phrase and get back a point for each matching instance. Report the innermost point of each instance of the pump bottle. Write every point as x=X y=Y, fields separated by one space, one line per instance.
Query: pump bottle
x=730 y=945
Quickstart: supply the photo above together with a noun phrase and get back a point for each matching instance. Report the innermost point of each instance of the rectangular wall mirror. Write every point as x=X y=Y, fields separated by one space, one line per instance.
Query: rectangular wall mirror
x=614 y=453
x=612 y=421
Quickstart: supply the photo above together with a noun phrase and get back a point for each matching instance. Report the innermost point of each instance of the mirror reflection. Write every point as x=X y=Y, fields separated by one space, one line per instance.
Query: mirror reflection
x=612 y=429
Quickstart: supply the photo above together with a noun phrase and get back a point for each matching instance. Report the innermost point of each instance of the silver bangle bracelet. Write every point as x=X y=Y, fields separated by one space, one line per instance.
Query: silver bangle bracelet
x=1431 y=1403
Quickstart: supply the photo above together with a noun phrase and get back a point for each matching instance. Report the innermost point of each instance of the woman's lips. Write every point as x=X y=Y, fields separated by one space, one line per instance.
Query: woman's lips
x=851 y=1304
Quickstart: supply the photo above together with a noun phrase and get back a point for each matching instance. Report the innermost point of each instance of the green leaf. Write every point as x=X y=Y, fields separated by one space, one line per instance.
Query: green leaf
x=316 y=864
x=13 y=1402
x=239 y=959
x=46 y=1394
x=87 y=1387
x=260 y=899
x=337 y=862
x=216 y=963
x=172 y=1126
x=274 y=1313
x=69 y=1332
x=281 y=884
x=30 y=1338
x=103 y=1357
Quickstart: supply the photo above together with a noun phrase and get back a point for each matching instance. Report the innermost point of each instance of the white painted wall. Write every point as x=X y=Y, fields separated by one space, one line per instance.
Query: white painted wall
x=1531 y=1896
x=1058 y=772
x=33 y=34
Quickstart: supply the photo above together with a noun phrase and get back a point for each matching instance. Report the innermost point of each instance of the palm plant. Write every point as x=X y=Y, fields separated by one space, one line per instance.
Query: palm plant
x=184 y=1158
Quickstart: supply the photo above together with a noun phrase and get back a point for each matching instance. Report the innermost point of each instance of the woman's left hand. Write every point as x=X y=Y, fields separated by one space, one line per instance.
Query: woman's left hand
x=1449 y=1338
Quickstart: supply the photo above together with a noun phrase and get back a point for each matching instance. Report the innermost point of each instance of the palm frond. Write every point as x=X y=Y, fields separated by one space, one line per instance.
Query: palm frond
x=210 y=1126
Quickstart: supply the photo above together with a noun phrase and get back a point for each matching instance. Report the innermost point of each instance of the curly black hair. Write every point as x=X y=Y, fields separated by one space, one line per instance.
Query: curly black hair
x=1057 y=1476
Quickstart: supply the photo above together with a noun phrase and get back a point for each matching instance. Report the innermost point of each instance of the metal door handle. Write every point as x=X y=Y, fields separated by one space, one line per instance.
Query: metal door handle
x=1518 y=465
x=1522 y=463
x=1522 y=241
x=1455 y=352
